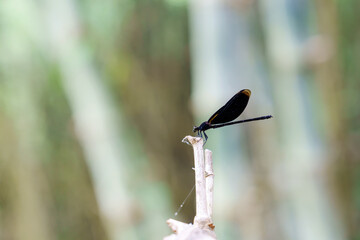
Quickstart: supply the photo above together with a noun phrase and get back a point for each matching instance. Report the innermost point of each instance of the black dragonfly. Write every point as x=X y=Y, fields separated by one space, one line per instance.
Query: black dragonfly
x=231 y=110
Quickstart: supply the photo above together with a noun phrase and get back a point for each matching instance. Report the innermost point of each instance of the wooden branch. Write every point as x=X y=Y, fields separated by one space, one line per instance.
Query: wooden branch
x=209 y=181
x=183 y=231
x=204 y=183
x=202 y=217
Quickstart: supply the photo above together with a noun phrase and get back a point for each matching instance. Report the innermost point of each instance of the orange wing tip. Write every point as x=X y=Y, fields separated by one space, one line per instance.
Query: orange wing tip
x=247 y=92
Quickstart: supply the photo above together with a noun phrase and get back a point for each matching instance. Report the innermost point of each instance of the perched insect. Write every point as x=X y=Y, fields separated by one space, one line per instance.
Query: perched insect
x=231 y=110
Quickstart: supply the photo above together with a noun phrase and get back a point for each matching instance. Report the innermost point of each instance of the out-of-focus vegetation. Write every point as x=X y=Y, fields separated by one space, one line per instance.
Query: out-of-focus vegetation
x=96 y=96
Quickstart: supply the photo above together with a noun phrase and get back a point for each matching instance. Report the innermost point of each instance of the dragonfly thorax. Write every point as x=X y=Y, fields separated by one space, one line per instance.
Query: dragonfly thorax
x=203 y=127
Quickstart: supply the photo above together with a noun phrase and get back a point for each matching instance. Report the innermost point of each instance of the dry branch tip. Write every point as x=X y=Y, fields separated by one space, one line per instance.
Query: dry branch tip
x=190 y=140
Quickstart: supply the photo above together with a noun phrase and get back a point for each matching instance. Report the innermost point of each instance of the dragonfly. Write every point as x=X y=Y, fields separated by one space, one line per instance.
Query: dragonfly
x=227 y=113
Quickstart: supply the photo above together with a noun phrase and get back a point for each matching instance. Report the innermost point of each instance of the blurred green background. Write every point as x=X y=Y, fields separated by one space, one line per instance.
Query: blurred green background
x=96 y=97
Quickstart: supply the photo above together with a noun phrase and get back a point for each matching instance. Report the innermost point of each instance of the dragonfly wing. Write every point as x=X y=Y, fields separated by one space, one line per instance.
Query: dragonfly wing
x=232 y=109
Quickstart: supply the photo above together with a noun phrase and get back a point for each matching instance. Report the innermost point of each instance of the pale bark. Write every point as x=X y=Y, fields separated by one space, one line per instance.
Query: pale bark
x=204 y=184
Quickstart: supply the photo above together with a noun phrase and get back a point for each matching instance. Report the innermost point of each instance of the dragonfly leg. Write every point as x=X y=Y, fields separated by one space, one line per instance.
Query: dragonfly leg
x=206 y=137
x=198 y=133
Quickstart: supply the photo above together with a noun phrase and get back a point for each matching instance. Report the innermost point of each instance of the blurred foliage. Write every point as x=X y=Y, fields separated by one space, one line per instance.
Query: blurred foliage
x=150 y=74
